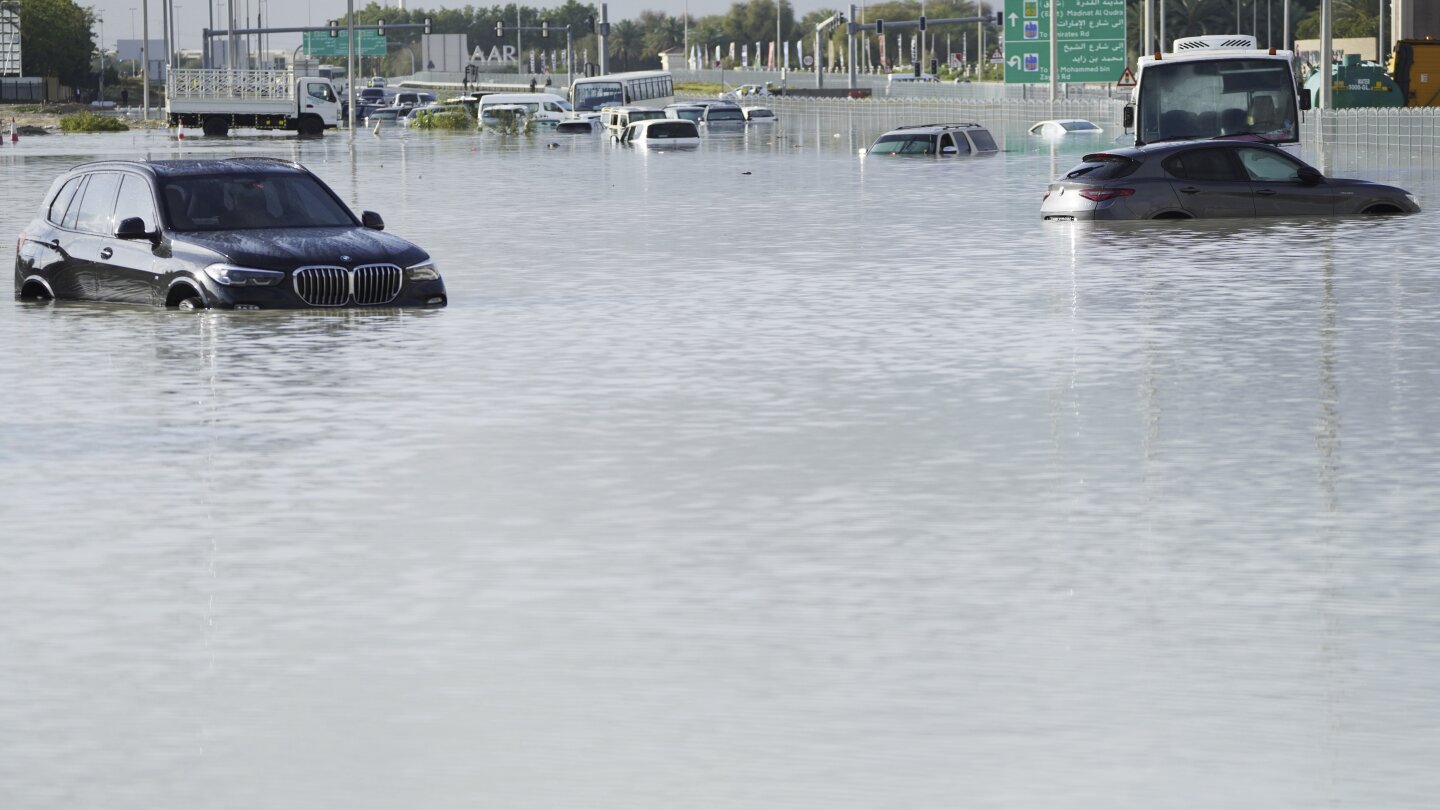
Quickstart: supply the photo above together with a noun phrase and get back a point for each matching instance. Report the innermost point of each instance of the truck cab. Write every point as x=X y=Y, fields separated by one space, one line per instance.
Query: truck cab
x=1217 y=86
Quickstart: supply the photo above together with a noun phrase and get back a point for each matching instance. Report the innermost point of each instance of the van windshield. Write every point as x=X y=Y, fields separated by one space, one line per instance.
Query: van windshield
x=241 y=201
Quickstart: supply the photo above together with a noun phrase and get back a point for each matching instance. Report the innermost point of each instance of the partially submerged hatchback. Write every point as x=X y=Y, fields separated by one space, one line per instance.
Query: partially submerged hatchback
x=244 y=233
x=1211 y=179
x=936 y=140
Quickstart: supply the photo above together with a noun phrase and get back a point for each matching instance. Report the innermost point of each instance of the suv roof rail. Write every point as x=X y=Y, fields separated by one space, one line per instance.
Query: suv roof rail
x=941 y=126
x=251 y=159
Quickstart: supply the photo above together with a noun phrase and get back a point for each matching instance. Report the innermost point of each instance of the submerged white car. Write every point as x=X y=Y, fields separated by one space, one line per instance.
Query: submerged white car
x=1063 y=127
x=661 y=132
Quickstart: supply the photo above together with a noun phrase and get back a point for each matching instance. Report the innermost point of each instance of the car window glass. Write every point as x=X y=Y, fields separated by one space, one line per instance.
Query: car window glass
x=319 y=91
x=1103 y=167
x=135 y=201
x=98 y=205
x=72 y=212
x=240 y=201
x=62 y=201
x=1268 y=167
x=983 y=141
x=1203 y=164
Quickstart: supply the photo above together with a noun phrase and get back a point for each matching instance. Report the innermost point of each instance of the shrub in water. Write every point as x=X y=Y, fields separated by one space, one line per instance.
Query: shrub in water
x=91 y=122
x=448 y=119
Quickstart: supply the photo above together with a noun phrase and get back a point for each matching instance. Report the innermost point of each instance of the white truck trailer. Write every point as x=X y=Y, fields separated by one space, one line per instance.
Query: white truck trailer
x=217 y=99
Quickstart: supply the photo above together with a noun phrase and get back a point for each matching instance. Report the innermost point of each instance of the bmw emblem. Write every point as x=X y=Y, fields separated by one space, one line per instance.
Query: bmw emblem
x=344 y=258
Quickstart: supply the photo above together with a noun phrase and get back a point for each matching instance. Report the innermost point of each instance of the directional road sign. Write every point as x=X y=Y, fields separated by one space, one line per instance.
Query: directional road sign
x=1090 y=35
x=320 y=43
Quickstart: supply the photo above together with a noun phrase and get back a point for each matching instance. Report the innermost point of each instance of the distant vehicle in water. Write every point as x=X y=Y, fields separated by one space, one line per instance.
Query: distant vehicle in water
x=935 y=140
x=216 y=100
x=660 y=132
x=384 y=115
x=722 y=115
x=759 y=115
x=641 y=88
x=538 y=106
x=243 y=233
x=1210 y=179
x=689 y=112
x=1214 y=86
x=1063 y=127
x=616 y=119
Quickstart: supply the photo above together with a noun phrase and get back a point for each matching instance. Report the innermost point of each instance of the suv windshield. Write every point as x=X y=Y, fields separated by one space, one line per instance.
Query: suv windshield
x=240 y=201
x=904 y=145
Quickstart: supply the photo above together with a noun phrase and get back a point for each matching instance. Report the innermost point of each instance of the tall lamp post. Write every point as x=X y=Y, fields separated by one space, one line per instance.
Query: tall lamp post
x=145 y=53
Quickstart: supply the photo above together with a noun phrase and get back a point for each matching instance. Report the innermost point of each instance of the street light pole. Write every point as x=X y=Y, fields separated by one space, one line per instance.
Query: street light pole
x=145 y=52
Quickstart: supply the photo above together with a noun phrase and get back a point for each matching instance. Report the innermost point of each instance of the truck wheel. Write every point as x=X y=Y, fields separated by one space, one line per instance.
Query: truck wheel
x=311 y=126
x=216 y=127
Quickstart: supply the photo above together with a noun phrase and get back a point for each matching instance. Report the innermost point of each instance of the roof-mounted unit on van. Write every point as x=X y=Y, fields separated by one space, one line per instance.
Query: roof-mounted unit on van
x=1215 y=42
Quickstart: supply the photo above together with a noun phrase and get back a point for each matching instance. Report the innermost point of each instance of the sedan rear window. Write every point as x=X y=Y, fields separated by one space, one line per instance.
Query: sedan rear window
x=241 y=201
x=679 y=129
x=1103 y=167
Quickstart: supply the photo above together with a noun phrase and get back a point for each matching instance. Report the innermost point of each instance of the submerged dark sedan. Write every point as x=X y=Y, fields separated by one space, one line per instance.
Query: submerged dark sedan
x=1210 y=178
x=245 y=233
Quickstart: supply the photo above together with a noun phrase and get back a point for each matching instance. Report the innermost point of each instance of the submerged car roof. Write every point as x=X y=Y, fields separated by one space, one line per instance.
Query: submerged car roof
x=1163 y=147
x=182 y=168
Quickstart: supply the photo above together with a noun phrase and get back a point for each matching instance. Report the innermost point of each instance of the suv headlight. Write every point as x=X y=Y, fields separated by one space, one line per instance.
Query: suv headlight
x=424 y=271
x=232 y=276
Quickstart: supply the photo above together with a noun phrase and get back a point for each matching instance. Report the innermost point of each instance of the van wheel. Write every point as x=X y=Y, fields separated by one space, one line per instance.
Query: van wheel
x=192 y=303
x=216 y=127
x=311 y=127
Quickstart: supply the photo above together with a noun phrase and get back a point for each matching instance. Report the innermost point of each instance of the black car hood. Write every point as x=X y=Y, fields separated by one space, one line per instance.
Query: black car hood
x=288 y=248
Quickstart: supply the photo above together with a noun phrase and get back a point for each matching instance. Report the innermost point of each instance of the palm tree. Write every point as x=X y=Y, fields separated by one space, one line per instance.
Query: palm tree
x=627 y=41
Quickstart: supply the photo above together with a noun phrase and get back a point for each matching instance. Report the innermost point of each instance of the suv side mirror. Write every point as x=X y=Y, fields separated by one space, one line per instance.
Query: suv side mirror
x=1310 y=176
x=372 y=220
x=1127 y=119
x=1305 y=100
x=134 y=228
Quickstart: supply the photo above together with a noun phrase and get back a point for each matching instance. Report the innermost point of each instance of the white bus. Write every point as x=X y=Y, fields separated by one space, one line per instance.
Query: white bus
x=641 y=88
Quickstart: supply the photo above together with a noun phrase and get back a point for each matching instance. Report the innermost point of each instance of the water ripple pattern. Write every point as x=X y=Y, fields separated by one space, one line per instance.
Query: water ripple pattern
x=754 y=475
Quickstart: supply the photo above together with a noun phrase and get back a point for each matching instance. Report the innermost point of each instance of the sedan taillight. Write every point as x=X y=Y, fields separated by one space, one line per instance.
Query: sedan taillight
x=1103 y=194
x=19 y=242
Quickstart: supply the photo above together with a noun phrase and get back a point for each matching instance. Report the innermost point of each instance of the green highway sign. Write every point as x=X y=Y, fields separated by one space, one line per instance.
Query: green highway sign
x=1090 y=35
x=320 y=43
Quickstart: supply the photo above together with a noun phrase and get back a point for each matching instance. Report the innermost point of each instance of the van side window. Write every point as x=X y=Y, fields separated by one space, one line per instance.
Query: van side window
x=62 y=201
x=135 y=201
x=97 y=208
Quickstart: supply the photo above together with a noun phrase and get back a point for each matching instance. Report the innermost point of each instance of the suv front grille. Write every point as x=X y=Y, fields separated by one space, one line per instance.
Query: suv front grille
x=366 y=285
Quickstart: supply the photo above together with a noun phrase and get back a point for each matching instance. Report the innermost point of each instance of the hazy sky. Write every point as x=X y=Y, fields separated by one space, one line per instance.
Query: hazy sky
x=192 y=16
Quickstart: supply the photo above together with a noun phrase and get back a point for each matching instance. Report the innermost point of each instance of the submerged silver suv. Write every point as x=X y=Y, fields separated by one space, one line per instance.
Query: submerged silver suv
x=942 y=140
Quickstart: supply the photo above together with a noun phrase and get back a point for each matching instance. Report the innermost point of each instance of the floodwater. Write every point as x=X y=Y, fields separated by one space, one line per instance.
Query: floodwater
x=757 y=475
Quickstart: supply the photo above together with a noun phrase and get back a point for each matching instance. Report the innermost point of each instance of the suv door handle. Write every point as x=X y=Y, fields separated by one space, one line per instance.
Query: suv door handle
x=1266 y=192
x=1189 y=190
x=106 y=253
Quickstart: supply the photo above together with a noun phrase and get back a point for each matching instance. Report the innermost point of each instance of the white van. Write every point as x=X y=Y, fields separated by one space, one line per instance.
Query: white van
x=616 y=119
x=539 y=106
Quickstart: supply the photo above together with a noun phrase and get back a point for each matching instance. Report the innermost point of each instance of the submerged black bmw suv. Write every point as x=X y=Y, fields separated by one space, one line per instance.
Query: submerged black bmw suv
x=245 y=233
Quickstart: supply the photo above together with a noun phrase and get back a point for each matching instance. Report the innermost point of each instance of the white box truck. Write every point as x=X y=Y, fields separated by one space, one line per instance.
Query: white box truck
x=217 y=99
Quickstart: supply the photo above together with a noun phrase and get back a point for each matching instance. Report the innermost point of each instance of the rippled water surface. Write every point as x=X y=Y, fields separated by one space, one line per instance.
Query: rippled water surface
x=752 y=476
